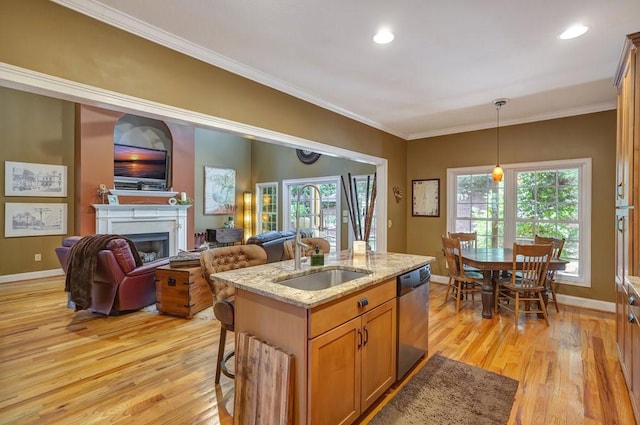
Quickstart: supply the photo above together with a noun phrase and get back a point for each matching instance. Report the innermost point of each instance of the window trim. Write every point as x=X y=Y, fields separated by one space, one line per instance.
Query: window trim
x=286 y=201
x=258 y=212
x=584 y=166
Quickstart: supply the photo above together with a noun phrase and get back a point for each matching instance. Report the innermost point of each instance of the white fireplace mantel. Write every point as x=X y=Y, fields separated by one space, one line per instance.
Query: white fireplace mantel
x=126 y=219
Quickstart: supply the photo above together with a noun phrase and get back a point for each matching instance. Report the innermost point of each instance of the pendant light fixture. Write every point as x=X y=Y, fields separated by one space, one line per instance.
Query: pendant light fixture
x=498 y=173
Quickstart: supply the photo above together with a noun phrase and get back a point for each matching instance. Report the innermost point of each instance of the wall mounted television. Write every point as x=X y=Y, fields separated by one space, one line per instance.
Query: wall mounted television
x=139 y=168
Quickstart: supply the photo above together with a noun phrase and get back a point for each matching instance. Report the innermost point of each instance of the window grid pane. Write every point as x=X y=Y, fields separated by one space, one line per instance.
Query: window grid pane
x=267 y=207
x=480 y=208
x=547 y=205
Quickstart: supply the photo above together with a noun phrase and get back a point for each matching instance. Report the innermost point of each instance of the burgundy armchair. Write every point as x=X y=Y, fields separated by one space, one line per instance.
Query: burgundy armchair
x=117 y=283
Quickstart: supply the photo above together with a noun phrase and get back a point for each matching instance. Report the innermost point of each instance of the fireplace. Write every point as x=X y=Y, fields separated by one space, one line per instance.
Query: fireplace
x=144 y=220
x=151 y=246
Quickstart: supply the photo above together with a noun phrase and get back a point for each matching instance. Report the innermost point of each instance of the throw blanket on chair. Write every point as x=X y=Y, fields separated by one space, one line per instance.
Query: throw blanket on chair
x=83 y=258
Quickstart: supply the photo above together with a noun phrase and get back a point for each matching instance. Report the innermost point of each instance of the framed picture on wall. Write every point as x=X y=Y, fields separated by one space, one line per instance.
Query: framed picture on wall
x=25 y=219
x=28 y=179
x=219 y=190
x=425 y=198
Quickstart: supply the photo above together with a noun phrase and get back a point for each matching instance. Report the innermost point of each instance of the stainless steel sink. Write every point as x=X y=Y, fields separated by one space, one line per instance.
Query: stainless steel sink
x=322 y=279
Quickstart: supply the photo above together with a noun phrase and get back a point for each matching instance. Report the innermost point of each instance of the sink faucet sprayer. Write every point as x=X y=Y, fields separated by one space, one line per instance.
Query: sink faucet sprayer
x=298 y=243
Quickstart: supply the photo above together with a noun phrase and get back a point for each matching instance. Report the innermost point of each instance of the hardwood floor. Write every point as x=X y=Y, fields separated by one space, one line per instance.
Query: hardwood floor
x=62 y=367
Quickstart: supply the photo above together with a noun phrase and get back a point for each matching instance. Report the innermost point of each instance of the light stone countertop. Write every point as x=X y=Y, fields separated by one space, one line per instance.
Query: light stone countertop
x=260 y=279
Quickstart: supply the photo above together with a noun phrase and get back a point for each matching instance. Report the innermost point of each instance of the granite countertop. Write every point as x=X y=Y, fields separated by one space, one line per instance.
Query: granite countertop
x=260 y=279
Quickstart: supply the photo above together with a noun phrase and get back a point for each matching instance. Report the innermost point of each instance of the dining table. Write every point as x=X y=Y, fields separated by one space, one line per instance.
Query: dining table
x=491 y=262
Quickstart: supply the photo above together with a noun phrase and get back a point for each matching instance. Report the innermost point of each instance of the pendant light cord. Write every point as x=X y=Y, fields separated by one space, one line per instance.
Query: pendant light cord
x=499 y=103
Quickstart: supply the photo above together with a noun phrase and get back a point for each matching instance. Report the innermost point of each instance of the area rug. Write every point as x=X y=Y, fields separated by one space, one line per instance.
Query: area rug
x=448 y=392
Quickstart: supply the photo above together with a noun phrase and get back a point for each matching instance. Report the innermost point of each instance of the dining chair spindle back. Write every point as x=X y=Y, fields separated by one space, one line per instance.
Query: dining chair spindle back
x=558 y=245
x=527 y=281
x=462 y=283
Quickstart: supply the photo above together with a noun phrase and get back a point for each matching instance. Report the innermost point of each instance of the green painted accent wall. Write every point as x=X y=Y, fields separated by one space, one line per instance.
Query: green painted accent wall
x=40 y=130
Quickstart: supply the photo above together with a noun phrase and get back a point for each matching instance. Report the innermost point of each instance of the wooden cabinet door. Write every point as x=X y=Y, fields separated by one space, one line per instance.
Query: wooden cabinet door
x=623 y=244
x=625 y=134
x=622 y=326
x=334 y=381
x=378 y=352
x=634 y=366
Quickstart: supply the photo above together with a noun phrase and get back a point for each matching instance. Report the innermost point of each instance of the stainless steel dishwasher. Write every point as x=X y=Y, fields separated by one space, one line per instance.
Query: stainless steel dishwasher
x=413 y=318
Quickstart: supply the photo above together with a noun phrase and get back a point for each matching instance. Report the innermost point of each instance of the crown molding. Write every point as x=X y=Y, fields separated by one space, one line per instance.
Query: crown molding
x=600 y=107
x=117 y=19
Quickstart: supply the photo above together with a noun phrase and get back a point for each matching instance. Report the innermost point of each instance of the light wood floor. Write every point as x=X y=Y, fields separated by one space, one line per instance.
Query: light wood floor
x=62 y=367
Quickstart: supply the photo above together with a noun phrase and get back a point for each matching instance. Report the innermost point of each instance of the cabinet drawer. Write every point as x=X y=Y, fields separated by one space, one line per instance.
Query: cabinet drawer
x=329 y=316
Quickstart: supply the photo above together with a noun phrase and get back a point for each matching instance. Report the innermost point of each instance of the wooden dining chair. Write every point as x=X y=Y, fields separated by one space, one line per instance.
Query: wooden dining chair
x=527 y=282
x=467 y=239
x=462 y=283
x=558 y=244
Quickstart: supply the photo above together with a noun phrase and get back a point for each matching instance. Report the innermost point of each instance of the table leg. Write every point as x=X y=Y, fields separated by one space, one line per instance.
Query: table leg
x=487 y=295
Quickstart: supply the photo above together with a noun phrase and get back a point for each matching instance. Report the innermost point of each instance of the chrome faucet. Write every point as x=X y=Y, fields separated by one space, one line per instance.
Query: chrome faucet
x=298 y=245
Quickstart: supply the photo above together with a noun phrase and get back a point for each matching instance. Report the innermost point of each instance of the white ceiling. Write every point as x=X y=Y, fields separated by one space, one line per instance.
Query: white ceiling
x=448 y=62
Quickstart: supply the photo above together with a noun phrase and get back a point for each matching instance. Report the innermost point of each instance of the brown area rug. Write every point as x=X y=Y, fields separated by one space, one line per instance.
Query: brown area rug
x=447 y=392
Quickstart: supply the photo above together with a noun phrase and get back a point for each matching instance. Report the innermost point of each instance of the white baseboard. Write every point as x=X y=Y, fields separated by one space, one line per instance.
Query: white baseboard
x=31 y=275
x=569 y=300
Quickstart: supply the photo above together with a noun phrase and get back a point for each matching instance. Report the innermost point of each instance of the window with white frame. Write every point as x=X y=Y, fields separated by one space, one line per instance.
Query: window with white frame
x=311 y=207
x=550 y=199
x=267 y=206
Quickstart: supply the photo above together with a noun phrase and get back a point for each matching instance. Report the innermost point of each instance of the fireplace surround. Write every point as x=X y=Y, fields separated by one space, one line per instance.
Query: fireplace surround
x=139 y=219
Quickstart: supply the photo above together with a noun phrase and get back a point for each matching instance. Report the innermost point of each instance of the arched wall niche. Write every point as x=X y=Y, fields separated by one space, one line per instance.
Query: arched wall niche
x=134 y=130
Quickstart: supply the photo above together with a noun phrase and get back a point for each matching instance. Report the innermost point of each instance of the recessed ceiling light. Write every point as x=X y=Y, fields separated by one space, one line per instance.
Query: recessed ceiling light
x=383 y=36
x=574 y=31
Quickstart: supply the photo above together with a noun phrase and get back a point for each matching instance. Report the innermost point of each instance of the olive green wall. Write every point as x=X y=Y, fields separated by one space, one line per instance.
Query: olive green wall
x=40 y=130
x=273 y=163
x=585 y=136
x=53 y=40
x=220 y=150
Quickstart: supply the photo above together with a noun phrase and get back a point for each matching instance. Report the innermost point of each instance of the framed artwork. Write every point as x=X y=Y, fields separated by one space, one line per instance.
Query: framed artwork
x=23 y=219
x=219 y=190
x=113 y=199
x=28 y=179
x=426 y=198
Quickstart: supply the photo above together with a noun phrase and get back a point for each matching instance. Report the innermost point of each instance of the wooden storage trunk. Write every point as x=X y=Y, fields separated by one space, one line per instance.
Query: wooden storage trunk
x=182 y=291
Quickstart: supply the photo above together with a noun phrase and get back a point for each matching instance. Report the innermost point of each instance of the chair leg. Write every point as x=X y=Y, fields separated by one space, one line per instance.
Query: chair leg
x=553 y=294
x=223 y=338
x=458 y=296
x=517 y=308
x=543 y=308
x=446 y=297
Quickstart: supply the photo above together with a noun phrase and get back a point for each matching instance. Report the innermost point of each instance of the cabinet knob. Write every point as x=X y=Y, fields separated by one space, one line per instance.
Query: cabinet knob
x=619 y=190
x=366 y=336
x=632 y=300
x=359 y=339
x=631 y=318
x=363 y=303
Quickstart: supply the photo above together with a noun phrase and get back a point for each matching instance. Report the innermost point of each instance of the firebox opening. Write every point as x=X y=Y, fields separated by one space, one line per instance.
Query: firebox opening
x=151 y=246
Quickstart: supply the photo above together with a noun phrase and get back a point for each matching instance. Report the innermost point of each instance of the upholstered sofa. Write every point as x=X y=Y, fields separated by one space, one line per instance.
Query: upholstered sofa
x=117 y=283
x=273 y=242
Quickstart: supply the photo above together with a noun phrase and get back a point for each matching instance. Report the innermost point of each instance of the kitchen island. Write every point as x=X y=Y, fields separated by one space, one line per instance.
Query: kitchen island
x=343 y=338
